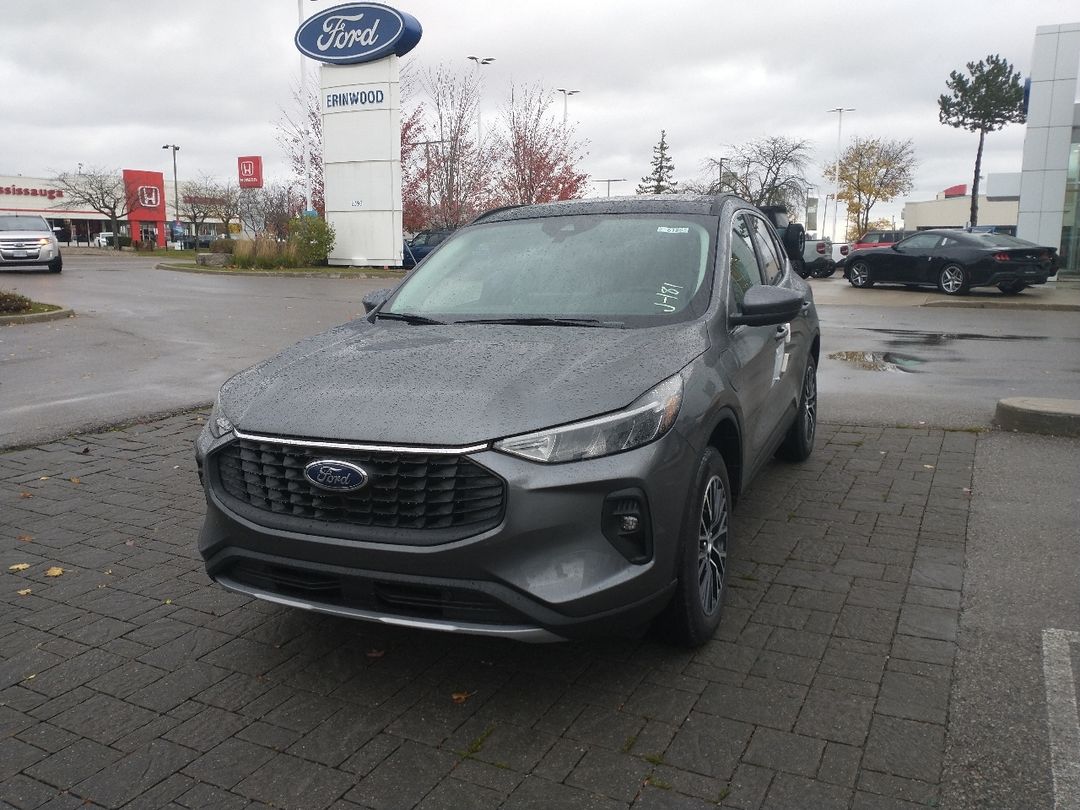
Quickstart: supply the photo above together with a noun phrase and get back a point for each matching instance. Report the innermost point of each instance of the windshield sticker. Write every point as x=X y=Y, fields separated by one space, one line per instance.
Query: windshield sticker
x=668 y=293
x=665 y=229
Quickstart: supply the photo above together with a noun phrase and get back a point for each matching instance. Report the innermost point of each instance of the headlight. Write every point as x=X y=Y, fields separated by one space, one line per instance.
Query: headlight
x=219 y=423
x=646 y=419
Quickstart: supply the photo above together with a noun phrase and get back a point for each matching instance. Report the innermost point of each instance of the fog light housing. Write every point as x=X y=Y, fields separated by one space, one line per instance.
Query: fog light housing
x=626 y=524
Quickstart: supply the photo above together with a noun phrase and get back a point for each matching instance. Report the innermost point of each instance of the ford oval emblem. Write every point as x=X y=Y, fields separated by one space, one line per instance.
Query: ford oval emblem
x=357 y=32
x=335 y=476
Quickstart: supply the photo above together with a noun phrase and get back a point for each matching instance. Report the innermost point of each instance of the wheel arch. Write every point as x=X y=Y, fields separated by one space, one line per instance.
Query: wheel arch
x=726 y=438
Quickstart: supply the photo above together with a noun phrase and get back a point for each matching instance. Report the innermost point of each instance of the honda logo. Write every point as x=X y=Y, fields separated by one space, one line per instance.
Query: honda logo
x=247 y=168
x=149 y=196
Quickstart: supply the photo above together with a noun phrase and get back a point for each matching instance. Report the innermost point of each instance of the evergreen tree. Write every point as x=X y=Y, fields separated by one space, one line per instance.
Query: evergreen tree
x=659 y=181
x=987 y=99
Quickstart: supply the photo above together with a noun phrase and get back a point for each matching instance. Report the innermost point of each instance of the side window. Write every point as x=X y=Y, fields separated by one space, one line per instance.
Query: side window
x=744 y=271
x=772 y=265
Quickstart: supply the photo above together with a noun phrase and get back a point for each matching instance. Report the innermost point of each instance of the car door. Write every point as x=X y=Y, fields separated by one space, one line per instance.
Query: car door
x=750 y=356
x=912 y=259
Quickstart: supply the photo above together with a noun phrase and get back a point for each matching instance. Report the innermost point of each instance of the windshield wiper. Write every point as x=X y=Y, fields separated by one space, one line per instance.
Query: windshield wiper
x=408 y=317
x=543 y=321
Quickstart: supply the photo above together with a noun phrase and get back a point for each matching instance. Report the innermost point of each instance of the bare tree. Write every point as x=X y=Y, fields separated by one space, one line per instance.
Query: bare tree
x=537 y=155
x=767 y=171
x=198 y=201
x=100 y=190
x=299 y=133
x=226 y=206
x=461 y=178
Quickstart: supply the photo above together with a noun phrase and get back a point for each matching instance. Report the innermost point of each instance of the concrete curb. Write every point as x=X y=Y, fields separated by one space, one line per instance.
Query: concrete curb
x=263 y=274
x=1007 y=304
x=37 y=317
x=1054 y=417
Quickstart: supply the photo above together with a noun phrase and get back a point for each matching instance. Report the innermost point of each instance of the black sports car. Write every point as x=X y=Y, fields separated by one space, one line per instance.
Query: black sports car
x=954 y=262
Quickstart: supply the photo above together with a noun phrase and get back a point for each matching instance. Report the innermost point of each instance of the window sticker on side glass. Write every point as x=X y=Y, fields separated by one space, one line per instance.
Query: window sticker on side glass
x=666 y=229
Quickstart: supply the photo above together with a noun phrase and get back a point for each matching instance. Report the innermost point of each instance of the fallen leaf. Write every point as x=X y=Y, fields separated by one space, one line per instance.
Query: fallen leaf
x=23 y=592
x=75 y=480
x=929 y=466
x=376 y=653
x=18 y=567
x=44 y=478
x=168 y=601
x=85 y=451
x=30 y=677
x=129 y=542
x=25 y=494
x=24 y=538
x=55 y=571
x=461 y=697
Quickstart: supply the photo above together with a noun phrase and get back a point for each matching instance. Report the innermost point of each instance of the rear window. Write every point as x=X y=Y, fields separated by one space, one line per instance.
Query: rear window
x=15 y=223
x=1002 y=240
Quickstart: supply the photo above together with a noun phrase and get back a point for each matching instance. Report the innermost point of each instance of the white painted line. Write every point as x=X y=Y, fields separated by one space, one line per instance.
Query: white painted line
x=1062 y=716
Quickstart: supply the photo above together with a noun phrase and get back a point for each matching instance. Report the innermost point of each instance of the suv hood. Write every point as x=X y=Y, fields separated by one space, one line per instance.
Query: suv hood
x=393 y=383
x=20 y=235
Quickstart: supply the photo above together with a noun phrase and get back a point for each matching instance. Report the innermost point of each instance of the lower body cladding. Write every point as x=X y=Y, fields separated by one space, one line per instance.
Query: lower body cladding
x=576 y=549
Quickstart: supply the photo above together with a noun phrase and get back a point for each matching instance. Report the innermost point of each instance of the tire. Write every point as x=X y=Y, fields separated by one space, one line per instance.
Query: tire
x=859 y=275
x=952 y=280
x=825 y=273
x=799 y=442
x=56 y=265
x=799 y=266
x=694 y=612
x=794 y=240
x=1012 y=287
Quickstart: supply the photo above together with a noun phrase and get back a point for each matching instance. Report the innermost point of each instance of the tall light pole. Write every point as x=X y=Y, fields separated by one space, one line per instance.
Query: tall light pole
x=480 y=62
x=609 y=182
x=304 y=111
x=175 y=185
x=836 y=186
x=565 y=95
x=720 y=178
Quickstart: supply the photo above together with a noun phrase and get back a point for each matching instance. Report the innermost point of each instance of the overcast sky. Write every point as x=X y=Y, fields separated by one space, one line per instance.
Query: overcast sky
x=107 y=82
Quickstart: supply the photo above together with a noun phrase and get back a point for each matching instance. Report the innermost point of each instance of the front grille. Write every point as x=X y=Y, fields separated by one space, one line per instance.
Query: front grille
x=407 y=494
x=364 y=592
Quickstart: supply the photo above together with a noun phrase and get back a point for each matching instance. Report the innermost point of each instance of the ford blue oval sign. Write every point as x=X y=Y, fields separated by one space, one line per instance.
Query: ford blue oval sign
x=335 y=476
x=357 y=32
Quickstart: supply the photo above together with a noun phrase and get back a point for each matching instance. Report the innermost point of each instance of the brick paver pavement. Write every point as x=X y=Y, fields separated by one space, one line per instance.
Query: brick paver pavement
x=130 y=680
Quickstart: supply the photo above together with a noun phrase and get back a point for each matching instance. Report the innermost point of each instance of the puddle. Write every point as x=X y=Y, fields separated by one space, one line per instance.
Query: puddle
x=941 y=338
x=880 y=361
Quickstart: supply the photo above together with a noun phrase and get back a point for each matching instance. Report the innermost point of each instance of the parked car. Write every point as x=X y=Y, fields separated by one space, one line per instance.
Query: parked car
x=28 y=240
x=879 y=239
x=422 y=244
x=105 y=239
x=539 y=434
x=954 y=262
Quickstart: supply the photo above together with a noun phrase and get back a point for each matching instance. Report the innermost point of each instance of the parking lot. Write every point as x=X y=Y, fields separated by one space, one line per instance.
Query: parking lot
x=881 y=647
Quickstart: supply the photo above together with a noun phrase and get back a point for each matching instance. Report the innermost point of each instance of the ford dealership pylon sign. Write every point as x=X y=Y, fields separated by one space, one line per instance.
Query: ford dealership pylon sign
x=357 y=32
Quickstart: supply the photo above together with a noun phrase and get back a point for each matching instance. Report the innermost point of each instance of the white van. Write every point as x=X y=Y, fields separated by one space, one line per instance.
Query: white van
x=103 y=239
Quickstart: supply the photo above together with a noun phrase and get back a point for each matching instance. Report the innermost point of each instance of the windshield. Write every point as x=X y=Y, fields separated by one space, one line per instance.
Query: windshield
x=623 y=270
x=14 y=223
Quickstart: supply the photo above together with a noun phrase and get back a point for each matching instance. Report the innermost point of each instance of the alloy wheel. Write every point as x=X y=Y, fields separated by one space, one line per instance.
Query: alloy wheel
x=712 y=545
x=809 y=410
x=860 y=274
x=952 y=279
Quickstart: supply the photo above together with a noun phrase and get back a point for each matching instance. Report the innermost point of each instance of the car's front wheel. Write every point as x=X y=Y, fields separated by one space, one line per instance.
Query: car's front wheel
x=859 y=275
x=56 y=265
x=799 y=442
x=952 y=280
x=694 y=612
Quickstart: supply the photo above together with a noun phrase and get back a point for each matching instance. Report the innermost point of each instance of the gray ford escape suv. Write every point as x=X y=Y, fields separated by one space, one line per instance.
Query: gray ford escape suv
x=540 y=433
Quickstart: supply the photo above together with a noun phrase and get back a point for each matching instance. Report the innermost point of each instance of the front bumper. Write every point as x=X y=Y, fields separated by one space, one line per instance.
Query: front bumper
x=546 y=571
x=24 y=252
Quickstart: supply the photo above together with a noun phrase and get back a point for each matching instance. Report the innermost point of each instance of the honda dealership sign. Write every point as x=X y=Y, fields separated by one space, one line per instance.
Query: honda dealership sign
x=249 y=170
x=359 y=44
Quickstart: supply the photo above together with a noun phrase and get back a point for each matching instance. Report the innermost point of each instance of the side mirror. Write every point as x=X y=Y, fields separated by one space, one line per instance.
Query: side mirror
x=376 y=299
x=766 y=305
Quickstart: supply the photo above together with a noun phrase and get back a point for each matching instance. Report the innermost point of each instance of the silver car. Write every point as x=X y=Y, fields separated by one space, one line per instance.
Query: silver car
x=28 y=240
x=539 y=434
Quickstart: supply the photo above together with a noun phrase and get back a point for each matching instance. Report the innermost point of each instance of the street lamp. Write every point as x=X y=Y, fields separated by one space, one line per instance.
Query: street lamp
x=480 y=62
x=609 y=182
x=175 y=186
x=565 y=95
x=836 y=186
